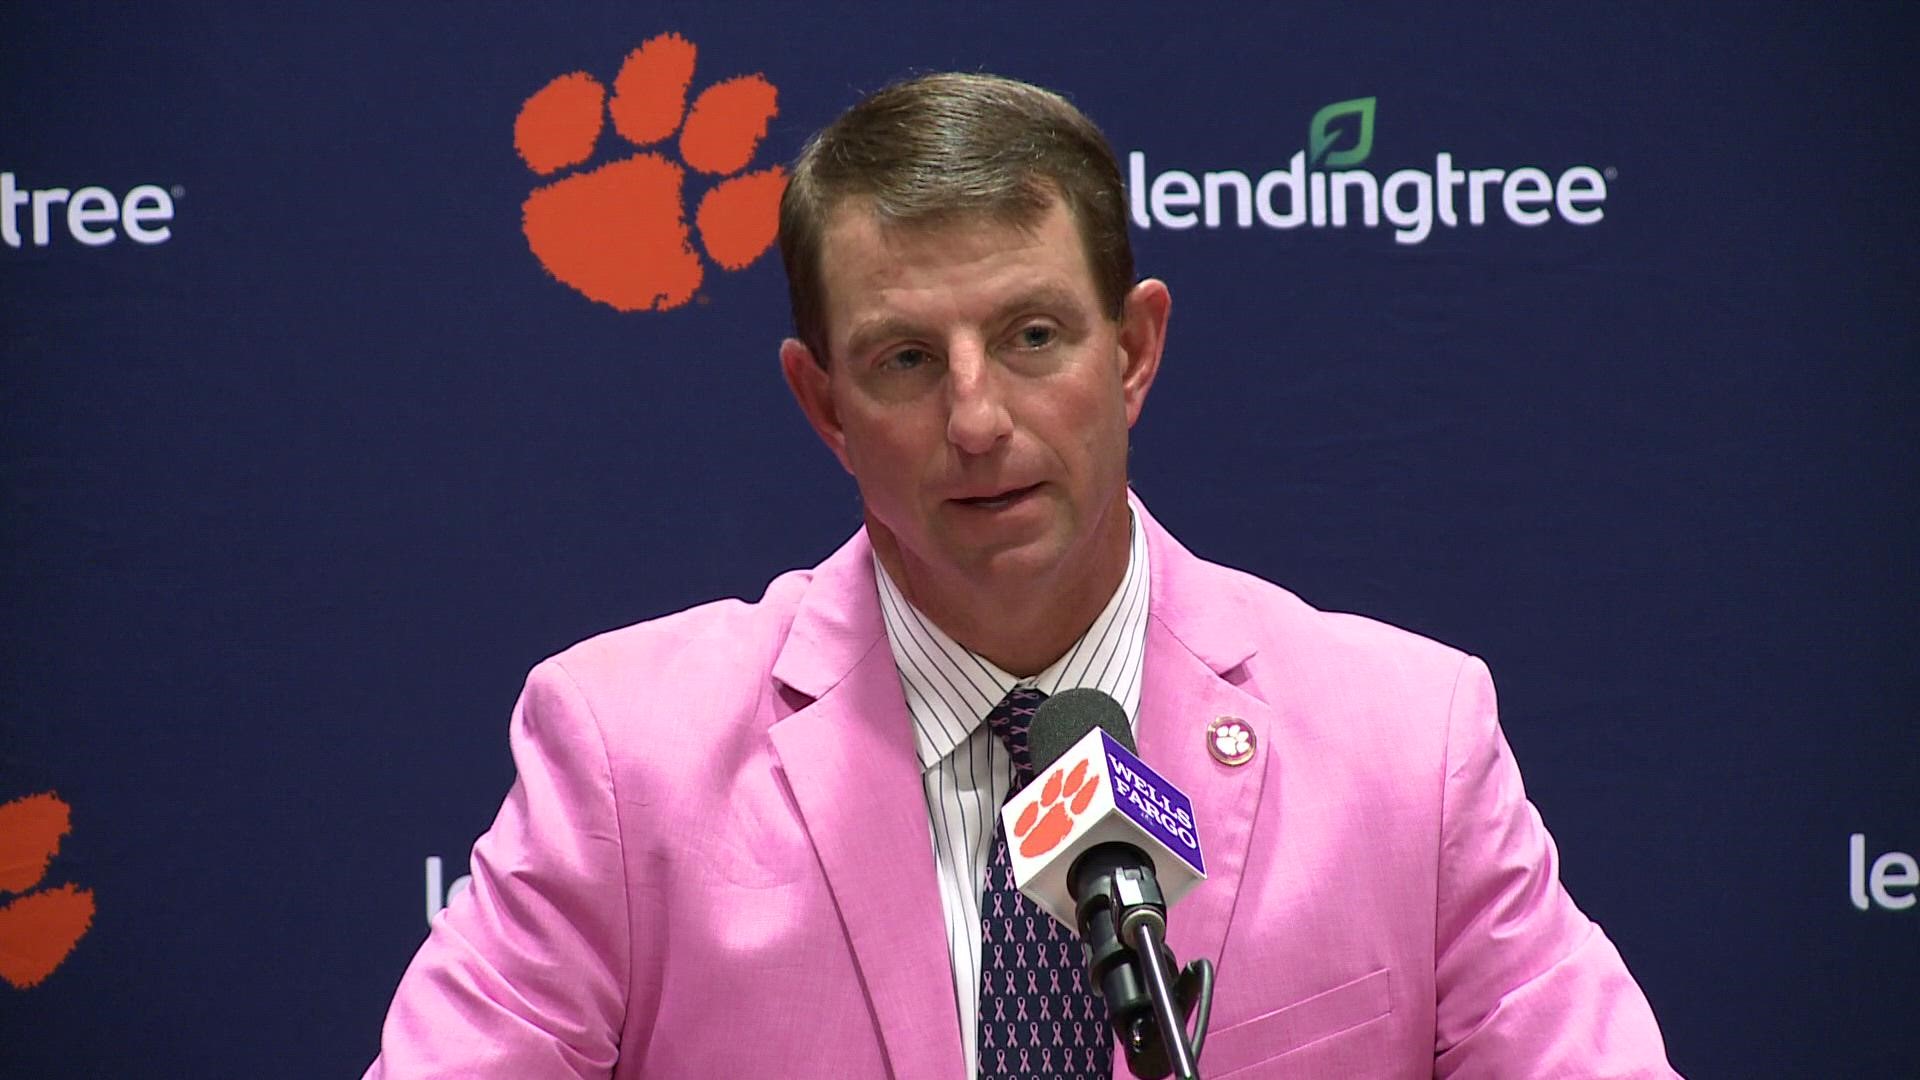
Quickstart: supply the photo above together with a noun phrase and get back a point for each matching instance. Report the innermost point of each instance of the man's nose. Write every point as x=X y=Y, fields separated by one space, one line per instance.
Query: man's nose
x=977 y=416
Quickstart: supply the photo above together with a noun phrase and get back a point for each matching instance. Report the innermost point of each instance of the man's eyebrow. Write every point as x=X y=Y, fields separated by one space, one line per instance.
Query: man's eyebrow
x=1046 y=295
x=871 y=331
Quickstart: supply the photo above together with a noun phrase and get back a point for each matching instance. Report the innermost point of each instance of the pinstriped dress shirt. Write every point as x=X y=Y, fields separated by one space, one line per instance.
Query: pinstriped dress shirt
x=966 y=771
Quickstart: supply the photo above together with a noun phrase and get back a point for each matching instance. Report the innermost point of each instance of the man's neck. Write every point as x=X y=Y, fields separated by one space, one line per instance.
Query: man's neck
x=1020 y=626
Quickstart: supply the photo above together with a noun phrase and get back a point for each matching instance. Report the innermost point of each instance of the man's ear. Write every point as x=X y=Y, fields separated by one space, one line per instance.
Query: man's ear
x=812 y=389
x=1143 y=336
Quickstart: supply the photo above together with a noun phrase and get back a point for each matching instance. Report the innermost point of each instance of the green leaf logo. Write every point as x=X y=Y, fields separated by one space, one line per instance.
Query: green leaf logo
x=1320 y=134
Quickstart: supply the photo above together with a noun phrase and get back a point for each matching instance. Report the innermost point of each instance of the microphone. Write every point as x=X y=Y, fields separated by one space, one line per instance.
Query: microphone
x=1103 y=843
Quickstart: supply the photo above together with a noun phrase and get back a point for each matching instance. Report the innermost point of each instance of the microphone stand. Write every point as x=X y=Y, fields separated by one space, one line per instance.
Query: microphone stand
x=1146 y=944
x=1123 y=920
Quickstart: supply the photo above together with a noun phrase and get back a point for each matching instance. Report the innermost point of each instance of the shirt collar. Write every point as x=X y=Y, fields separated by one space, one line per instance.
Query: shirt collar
x=950 y=689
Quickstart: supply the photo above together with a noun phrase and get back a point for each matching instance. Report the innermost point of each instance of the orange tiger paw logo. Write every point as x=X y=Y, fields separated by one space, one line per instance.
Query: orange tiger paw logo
x=619 y=233
x=39 y=929
x=1043 y=824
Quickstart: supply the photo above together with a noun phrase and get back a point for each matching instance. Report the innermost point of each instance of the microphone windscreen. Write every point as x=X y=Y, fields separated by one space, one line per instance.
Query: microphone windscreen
x=1066 y=717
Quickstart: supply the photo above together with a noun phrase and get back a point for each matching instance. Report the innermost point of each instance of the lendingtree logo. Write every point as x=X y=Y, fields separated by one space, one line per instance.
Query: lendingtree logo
x=1323 y=186
x=93 y=216
x=1321 y=133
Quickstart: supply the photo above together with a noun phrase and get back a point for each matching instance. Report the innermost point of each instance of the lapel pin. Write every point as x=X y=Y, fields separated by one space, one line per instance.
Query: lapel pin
x=1230 y=740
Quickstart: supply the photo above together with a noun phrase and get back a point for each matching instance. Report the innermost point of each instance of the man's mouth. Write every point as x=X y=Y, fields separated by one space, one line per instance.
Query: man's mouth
x=1000 y=501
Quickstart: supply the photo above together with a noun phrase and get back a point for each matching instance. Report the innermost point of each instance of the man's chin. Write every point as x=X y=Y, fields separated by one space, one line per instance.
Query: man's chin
x=1017 y=563
x=1003 y=566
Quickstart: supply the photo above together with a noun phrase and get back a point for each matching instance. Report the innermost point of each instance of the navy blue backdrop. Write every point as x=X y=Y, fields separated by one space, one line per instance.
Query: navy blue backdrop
x=309 y=460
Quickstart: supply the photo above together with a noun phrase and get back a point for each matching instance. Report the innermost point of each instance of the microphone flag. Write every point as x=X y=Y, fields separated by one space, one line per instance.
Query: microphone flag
x=1099 y=792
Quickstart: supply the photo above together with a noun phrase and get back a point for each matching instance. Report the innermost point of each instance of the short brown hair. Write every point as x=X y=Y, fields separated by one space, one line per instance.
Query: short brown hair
x=942 y=148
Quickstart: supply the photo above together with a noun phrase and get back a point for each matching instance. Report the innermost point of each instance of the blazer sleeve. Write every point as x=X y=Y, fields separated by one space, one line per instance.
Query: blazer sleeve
x=1525 y=984
x=526 y=973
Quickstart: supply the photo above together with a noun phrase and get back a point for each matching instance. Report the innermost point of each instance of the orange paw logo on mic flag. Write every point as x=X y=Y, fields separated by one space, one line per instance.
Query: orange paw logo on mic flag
x=39 y=928
x=619 y=233
x=1048 y=820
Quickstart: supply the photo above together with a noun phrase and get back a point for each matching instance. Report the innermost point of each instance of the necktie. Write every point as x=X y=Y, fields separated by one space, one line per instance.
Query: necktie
x=1039 y=1015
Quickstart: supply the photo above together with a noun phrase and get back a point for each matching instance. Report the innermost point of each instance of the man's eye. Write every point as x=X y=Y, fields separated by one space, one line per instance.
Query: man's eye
x=1037 y=336
x=905 y=359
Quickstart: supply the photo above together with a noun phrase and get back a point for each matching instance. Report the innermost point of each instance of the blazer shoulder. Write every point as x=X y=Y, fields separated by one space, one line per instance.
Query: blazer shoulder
x=715 y=655
x=1283 y=614
x=1335 y=652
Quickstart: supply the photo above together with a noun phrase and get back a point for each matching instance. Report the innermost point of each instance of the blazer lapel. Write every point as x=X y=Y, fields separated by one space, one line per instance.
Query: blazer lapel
x=849 y=761
x=1179 y=697
x=1196 y=638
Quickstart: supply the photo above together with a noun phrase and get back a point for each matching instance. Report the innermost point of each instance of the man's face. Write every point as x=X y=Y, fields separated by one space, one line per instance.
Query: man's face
x=980 y=395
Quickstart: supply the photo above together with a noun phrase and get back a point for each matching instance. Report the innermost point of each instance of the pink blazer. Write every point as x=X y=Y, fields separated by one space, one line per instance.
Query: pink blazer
x=716 y=860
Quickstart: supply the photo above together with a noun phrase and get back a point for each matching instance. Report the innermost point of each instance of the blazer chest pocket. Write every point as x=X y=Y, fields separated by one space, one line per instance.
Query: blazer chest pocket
x=1275 y=1034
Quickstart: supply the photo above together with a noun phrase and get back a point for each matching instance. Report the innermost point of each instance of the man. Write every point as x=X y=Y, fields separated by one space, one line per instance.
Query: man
x=760 y=839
